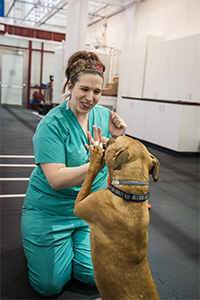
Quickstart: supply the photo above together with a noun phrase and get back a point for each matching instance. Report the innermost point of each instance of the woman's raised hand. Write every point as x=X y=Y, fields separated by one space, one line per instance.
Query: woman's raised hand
x=117 y=126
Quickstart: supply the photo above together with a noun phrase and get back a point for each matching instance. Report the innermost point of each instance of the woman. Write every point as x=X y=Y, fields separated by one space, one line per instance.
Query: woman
x=57 y=243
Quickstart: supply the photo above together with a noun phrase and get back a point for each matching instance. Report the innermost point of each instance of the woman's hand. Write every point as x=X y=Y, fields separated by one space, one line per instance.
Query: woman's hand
x=117 y=126
x=98 y=141
x=98 y=138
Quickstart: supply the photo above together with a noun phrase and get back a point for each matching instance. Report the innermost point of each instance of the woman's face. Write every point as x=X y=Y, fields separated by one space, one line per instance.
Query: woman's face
x=85 y=94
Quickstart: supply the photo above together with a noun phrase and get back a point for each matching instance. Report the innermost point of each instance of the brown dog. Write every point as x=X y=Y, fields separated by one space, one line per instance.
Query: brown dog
x=118 y=226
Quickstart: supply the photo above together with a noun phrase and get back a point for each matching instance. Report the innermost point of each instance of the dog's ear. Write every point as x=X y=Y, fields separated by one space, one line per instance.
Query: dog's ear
x=120 y=158
x=155 y=169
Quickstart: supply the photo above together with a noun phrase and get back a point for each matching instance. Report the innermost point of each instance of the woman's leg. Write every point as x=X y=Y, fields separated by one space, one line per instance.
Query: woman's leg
x=48 y=249
x=82 y=263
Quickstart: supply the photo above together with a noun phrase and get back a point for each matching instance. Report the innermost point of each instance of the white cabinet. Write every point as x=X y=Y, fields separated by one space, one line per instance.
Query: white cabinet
x=152 y=122
x=173 y=70
x=125 y=69
x=152 y=71
x=190 y=129
x=133 y=66
x=160 y=69
x=166 y=82
x=187 y=73
x=170 y=125
x=162 y=124
x=137 y=62
x=133 y=112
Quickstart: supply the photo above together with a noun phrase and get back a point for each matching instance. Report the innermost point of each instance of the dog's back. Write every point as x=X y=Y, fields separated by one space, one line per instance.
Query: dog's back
x=119 y=247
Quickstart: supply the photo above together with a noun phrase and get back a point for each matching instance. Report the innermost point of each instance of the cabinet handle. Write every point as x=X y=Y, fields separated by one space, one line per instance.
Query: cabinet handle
x=162 y=108
x=190 y=97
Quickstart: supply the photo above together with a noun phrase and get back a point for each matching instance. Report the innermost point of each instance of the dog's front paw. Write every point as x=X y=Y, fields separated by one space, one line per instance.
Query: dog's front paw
x=96 y=154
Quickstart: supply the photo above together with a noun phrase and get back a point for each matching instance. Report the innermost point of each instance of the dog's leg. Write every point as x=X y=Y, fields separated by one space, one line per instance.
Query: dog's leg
x=96 y=154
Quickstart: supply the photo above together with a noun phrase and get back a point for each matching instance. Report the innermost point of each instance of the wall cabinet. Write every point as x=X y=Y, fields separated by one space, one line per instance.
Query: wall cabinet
x=170 y=125
x=166 y=79
x=152 y=71
x=173 y=70
x=125 y=69
x=133 y=62
x=187 y=72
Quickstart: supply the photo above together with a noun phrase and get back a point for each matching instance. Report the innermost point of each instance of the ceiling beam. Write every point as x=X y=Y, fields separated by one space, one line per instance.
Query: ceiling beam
x=109 y=2
x=50 y=14
x=11 y=7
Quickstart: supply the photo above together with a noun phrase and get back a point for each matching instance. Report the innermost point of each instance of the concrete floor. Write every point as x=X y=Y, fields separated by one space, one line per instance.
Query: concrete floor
x=173 y=249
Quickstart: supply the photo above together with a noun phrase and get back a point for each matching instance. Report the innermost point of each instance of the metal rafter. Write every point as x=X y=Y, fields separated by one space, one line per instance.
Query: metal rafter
x=99 y=13
x=110 y=2
x=50 y=14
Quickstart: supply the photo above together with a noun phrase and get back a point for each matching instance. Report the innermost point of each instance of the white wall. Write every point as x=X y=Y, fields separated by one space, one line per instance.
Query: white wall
x=174 y=24
x=170 y=19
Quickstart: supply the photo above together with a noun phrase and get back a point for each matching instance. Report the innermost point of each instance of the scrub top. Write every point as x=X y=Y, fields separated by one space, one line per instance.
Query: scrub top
x=59 y=138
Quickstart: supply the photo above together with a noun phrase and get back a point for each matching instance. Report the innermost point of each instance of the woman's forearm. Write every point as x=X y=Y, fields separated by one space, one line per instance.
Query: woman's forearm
x=61 y=177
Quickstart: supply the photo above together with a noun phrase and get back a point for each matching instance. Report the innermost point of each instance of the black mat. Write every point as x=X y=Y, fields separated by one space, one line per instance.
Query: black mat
x=173 y=249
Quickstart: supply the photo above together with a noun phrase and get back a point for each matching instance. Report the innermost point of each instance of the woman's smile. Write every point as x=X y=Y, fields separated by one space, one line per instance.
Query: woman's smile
x=86 y=105
x=85 y=94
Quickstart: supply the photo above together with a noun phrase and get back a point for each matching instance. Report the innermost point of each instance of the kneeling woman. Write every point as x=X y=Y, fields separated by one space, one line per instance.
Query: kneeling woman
x=57 y=243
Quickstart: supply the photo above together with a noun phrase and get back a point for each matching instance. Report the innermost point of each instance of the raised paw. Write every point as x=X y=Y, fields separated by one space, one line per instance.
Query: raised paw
x=96 y=153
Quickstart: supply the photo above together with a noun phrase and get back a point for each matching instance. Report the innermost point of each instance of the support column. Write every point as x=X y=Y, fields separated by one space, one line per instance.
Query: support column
x=75 y=40
x=77 y=19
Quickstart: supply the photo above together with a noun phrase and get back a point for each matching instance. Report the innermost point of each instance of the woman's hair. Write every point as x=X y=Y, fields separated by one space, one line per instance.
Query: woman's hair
x=82 y=61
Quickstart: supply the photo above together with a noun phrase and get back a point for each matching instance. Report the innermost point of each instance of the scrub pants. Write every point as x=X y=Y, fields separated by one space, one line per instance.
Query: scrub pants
x=56 y=248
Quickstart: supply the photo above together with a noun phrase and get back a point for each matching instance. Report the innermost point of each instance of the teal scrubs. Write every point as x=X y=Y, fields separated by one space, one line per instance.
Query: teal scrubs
x=56 y=243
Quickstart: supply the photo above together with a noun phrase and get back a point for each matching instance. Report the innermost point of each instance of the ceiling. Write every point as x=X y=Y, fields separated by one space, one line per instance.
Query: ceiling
x=52 y=14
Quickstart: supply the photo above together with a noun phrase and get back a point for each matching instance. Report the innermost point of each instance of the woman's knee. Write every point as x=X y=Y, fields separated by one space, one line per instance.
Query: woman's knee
x=86 y=276
x=47 y=287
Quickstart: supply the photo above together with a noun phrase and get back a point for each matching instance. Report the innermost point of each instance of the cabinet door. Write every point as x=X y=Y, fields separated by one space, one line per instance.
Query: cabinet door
x=190 y=129
x=195 y=80
x=167 y=70
x=137 y=61
x=170 y=125
x=162 y=124
x=185 y=68
x=133 y=112
x=152 y=71
x=125 y=69
x=152 y=122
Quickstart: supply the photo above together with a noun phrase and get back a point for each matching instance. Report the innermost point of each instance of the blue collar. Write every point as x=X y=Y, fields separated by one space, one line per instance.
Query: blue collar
x=129 y=196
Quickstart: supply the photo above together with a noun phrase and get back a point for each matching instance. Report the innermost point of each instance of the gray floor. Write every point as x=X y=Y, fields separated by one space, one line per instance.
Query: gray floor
x=173 y=248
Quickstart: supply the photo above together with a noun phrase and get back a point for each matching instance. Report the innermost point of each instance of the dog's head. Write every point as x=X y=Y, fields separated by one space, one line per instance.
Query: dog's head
x=124 y=154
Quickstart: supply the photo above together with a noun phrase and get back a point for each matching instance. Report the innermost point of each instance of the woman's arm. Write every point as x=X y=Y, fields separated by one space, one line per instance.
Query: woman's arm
x=61 y=177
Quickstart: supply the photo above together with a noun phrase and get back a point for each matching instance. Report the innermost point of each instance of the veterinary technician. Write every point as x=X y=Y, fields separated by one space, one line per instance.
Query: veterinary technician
x=57 y=243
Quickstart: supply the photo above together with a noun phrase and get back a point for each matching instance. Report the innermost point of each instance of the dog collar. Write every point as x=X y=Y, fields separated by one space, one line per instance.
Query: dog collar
x=127 y=182
x=128 y=196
